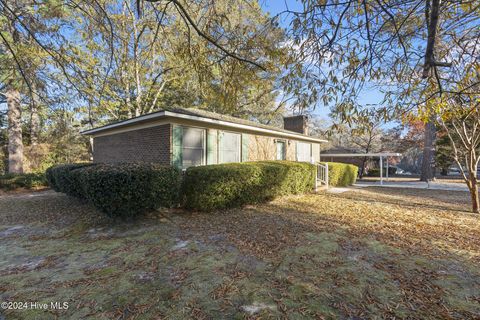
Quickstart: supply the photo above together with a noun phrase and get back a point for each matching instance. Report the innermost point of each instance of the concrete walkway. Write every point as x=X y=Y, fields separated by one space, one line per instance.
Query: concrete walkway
x=414 y=185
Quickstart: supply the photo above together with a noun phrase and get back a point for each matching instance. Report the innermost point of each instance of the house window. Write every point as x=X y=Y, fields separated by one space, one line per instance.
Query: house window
x=228 y=147
x=304 y=152
x=281 y=150
x=193 y=147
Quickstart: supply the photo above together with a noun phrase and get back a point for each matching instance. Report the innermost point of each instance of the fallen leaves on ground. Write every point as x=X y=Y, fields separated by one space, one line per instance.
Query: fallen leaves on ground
x=371 y=252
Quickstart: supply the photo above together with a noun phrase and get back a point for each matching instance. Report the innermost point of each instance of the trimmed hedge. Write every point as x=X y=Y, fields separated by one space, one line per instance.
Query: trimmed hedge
x=229 y=185
x=121 y=189
x=59 y=178
x=341 y=174
x=129 y=189
x=13 y=181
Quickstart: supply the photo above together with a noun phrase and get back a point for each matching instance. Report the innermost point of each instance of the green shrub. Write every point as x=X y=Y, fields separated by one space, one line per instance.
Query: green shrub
x=341 y=174
x=50 y=178
x=235 y=184
x=59 y=179
x=128 y=189
x=375 y=172
x=12 y=181
x=118 y=189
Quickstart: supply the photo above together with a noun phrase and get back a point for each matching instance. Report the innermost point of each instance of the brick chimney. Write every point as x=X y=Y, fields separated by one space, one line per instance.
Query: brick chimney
x=296 y=123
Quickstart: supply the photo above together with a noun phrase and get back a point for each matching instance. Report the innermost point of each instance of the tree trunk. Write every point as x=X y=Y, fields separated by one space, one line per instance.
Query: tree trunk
x=34 y=119
x=15 y=143
x=472 y=186
x=428 y=161
x=362 y=169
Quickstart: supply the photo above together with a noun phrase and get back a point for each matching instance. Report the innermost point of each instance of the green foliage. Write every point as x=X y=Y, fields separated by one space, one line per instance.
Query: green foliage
x=206 y=79
x=129 y=189
x=27 y=180
x=444 y=153
x=234 y=184
x=341 y=174
x=121 y=189
x=375 y=172
x=59 y=178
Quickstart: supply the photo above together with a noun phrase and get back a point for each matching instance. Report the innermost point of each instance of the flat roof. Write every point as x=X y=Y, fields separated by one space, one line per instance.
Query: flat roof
x=377 y=154
x=205 y=117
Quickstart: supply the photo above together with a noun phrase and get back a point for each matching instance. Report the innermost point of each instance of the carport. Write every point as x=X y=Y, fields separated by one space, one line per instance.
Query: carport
x=380 y=155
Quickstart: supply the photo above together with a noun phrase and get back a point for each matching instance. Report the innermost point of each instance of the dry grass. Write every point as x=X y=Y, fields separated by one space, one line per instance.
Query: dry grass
x=369 y=253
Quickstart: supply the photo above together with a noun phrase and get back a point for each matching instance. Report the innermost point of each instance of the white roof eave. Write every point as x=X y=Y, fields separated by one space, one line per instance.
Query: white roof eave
x=203 y=120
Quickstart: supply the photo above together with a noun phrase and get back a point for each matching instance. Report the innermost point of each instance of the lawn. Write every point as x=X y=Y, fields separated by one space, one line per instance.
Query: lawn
x=368 y=253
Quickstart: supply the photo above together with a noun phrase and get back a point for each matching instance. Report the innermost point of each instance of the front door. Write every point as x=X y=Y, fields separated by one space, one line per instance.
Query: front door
x=281 y=150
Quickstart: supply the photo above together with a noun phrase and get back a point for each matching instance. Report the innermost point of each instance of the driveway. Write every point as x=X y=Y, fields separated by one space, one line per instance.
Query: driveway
x=449 y=186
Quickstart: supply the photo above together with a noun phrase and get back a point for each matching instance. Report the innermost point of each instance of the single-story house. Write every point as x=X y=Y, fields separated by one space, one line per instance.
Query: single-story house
x=192 y=137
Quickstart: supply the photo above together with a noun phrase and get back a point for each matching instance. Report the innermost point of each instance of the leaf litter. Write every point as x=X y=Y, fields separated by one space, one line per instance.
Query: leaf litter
x=369 y=253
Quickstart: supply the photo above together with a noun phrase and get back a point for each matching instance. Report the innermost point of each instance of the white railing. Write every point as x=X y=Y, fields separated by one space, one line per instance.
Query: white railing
x=322 y=174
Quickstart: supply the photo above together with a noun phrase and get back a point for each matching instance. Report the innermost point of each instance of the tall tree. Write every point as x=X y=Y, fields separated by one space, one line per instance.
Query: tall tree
x=15 y=143
x=458 y=115
x=160 y=60
x=411 y=50
x=428 y=160
x=24 y=58
x=460 y=120
x=12 y=85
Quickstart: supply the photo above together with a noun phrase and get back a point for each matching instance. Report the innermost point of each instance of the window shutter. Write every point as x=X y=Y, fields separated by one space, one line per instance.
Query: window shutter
x=177 y=146
x=220 y=144
x=245 y=147
x=212 y=146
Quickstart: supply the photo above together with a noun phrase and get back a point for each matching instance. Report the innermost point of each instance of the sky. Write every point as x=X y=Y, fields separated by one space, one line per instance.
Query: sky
x=275 y=7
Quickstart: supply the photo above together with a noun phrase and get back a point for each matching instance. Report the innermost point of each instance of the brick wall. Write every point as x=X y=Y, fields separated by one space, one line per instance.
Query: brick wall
x=264 y=148
x=291 y=150
x=143 y=145
x=261 y=148
x=154 y=145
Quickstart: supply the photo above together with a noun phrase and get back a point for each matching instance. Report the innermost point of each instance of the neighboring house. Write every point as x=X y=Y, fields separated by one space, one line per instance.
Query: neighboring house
x=192 y=137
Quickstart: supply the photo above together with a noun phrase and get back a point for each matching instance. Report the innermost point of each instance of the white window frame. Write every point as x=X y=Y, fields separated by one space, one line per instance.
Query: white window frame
x=284 y=142
x=204 y=144
x=296 y=151
x=239 y=146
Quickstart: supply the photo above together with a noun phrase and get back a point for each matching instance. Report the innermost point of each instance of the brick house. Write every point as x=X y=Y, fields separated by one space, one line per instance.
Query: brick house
x=191 y=137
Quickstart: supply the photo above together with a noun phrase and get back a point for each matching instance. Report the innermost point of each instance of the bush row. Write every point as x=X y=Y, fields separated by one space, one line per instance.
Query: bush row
x=121 y=189
x=59 y=178
x=128 y=189
x=234 y=184
x=12 y=181
x=341 y=174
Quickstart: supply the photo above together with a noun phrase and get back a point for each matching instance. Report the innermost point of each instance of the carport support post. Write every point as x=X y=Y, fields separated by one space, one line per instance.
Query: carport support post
x=386 y=173
x=381 y=170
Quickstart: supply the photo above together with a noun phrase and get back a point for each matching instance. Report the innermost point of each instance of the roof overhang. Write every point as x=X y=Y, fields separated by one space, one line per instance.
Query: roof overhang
x=347 y=155
x=170 y=114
